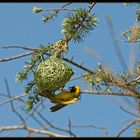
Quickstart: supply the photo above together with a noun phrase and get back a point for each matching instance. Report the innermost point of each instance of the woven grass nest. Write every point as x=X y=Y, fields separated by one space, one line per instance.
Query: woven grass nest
x=52 y=74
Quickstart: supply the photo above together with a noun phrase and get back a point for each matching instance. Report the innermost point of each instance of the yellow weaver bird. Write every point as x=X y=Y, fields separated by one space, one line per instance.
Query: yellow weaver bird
x=65 y=98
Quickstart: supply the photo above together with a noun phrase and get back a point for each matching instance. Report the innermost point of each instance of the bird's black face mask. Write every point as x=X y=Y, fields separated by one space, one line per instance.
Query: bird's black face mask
x=72 y=89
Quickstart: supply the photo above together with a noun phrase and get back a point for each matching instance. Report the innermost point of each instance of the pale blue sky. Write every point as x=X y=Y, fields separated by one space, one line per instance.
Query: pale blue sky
x=20 y=26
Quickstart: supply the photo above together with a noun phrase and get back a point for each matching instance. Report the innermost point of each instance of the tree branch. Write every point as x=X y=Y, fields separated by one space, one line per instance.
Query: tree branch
x=33 y=49
x=107 y=93
x=30 y=129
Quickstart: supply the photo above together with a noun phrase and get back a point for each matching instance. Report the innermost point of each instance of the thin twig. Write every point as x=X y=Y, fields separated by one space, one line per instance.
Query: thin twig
x=78 y=65
x=53 y=126
x=126 y=41
x=11 y=103
x=61 y=8
x=66 y=4
x=13 y=98
x=19 y=47
x=125 y=110
x=91 y=126
x=76 y=78
x=36 y=120
x=15 y=57
x=116 y=47
x=94 y=54
x=69 y=125
x=30 y=114
x=91 y=6
x=1 y=94
x=65 y=9
x=126 y=127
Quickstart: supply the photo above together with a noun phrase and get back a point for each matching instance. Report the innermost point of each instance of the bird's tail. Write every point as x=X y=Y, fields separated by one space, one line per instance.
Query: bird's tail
x=57 y=107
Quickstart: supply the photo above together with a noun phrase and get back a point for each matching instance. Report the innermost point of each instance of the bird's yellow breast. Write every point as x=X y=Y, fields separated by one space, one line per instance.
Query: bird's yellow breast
x=74 y=100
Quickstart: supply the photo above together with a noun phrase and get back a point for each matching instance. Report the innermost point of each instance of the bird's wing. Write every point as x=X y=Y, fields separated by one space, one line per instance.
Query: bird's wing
x=57 y=107
x=64 y=96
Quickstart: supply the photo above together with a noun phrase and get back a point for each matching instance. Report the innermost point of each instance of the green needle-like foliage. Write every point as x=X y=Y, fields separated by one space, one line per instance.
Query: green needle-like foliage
x=101 y=76
x=77 y=25
x=137 y=131
x=50 y=16
x=29 y=105
x=31 y=66
x=30 y=102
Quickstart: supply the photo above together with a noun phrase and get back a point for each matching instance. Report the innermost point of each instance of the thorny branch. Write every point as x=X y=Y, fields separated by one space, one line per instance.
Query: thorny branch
x=132 y=93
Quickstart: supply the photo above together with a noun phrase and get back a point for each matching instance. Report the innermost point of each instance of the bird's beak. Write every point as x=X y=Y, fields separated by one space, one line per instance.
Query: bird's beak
x=70 y=88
